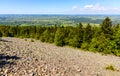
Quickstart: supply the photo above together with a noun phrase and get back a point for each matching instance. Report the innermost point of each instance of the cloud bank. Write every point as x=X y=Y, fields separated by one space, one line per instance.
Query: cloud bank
x=95 y=9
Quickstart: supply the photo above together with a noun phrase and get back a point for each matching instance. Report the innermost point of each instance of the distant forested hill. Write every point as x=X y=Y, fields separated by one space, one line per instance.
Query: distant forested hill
x=49 y=20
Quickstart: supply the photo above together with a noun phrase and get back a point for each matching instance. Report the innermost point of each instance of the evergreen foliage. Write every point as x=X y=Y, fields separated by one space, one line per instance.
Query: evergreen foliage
x=107 y=27
x=59 y=37
x=104 y=39
x=0 y=34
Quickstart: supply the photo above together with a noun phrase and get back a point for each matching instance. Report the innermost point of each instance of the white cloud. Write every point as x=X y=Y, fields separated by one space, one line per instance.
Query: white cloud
x=95 y=7
x=115 y=9
x=75 y=8
x=88 y=6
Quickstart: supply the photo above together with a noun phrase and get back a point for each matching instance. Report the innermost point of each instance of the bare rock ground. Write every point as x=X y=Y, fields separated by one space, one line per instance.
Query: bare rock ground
x=21 y=57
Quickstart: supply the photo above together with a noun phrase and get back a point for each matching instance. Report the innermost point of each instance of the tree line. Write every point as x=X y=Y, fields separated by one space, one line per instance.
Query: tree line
x=104 y=39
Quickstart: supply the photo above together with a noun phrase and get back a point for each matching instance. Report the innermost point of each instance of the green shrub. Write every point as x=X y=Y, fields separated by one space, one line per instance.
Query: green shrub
x=0 y=34
x=21 y=37
x=74 y=42
x=46 y=35
x=42 y=39
x=37 y=36
x=32 y=40
x=94 y=45
x=51 y=38
x=59 y=37
x=85 y=46
x=110 y=67
x=116 y=52
x=25 y=39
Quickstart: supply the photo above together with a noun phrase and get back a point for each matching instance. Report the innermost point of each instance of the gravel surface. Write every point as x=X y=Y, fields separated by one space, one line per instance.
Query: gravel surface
x=22 y=57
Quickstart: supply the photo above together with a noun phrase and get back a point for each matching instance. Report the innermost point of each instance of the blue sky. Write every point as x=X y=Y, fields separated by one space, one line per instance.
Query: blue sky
x=59 y=6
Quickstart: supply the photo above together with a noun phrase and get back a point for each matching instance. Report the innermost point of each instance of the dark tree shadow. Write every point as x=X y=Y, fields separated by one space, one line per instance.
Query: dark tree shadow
x=4 y=59
x=1 y=40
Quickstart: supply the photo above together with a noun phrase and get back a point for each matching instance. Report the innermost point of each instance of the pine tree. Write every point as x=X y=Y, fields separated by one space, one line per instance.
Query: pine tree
x=106 y=26
x=59 y=37
x=88 y=34
x=80 y=33
x=0 y=34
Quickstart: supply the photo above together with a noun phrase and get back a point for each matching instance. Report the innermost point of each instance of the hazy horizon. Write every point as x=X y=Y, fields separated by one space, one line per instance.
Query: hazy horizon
x=51 y=14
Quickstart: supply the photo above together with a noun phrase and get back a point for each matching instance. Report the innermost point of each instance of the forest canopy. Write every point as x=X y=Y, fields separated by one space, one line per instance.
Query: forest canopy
x=104 y=39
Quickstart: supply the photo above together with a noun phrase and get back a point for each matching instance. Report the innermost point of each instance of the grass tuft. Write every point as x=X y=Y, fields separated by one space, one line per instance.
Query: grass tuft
x=110 y=67
x=32 y=40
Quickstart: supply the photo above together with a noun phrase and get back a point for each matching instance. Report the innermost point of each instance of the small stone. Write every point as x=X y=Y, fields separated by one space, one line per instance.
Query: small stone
x=78 y=70
x=32 y=74
x=10 y=75
x=6 y=70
